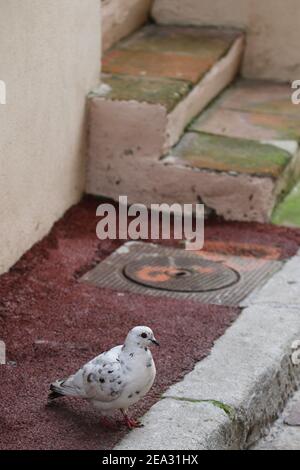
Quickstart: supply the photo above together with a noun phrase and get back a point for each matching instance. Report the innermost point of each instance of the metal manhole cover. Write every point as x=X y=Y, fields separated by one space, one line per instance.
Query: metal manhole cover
x=180 y=274
x=153 y=269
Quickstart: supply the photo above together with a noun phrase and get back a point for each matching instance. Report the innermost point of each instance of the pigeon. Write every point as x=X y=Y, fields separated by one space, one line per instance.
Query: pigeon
x=116 y=379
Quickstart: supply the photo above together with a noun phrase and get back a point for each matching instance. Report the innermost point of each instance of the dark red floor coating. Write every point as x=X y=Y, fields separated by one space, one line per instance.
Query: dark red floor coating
x=52 y=324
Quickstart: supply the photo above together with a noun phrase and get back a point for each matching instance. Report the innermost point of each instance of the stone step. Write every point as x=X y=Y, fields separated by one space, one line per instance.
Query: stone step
x=252 y=129
x=154 y=83
x=239 y=157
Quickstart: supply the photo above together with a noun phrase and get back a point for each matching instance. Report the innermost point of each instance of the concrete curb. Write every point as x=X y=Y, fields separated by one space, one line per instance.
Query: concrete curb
x=247 y=379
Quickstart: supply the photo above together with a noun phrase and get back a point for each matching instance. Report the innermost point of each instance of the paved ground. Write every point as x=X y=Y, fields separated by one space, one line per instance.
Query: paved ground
x=52 y=324
x=285 y=433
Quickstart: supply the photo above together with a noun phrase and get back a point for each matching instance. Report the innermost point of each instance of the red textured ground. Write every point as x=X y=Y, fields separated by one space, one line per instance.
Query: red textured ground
x=52 y=324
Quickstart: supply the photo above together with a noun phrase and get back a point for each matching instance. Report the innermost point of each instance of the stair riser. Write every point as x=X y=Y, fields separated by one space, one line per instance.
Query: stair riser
x=240 y=197
x=218 y=78
x=147 y=130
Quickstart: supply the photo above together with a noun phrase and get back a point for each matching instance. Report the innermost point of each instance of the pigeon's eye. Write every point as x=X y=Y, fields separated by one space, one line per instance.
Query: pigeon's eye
x=144 y=335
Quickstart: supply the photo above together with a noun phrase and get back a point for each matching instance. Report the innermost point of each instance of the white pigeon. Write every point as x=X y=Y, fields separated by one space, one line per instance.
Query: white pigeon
x=115 y=379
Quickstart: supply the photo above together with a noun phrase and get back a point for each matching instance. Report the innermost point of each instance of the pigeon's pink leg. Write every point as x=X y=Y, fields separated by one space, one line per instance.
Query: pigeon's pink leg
x=131 y=423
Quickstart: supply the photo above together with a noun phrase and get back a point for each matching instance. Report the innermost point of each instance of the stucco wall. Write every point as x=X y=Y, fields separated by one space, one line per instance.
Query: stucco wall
x=273 y=32
x=49 y=60
x=121 y=17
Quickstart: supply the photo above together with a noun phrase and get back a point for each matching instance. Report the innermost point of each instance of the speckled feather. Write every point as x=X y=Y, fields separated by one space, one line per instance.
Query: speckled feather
x=116 y=379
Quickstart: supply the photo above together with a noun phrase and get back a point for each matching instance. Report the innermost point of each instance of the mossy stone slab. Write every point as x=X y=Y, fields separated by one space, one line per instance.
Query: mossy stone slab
x=211 y=152
x=288 y=211
x=153 y=91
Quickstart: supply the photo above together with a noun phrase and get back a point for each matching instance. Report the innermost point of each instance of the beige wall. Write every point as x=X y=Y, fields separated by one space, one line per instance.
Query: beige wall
x=273 y=30
x=49 y=59
x=121 y=17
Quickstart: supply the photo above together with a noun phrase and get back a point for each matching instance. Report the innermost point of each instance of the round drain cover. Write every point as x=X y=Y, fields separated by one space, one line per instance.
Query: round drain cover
x=180 y=274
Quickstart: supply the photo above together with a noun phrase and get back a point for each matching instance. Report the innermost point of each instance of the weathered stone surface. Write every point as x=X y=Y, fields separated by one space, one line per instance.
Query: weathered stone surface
x=214 y=152
x=248 y=125
x=285 y=433
x=155 y=64
x=120 y=18
x=172 y=52
x=119 y=122
x=135 y=120
x=218 y=77
x=162 y=91
x=263 y=97
x=253 y=110
x=180 y=425
x=282 y=289
x=293 y=416
x=207 y=43
x=148 y=181
x=122 y=128
x=288 y=211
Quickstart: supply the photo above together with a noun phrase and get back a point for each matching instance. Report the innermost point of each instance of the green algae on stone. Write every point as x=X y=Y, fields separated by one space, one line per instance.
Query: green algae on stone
x=288 y=211
x=226 y=154
x=163 y=91
x=229 y=410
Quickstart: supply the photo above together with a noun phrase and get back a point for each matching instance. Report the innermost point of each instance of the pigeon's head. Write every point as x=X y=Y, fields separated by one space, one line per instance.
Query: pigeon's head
x=141 y=336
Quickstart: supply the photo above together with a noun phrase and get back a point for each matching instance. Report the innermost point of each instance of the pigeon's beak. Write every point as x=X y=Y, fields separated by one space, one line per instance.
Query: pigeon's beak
x=155 y=342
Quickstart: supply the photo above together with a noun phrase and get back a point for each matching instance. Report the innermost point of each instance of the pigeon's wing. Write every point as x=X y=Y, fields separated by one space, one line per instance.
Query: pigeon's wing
x=101 y=379
x=109 y=356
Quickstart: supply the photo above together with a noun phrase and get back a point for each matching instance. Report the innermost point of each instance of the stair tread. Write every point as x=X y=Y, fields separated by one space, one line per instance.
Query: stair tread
x=183 y=54
x=255 y=110
x=163 y=91
x=218 y=153
x=195 y=41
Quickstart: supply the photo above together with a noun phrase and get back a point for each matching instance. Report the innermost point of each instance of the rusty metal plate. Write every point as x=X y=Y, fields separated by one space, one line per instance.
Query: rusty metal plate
x=152 y=269
x=180 y=274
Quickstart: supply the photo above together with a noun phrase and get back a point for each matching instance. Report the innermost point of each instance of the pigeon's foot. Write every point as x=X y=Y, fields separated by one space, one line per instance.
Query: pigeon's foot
x=130 y=422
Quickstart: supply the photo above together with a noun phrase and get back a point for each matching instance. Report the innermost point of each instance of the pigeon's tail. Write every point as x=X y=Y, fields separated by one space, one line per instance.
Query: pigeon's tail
x=62 y=388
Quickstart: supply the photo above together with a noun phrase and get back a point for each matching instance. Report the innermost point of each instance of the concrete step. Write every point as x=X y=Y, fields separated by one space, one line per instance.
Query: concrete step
x=240 y=157
x=154 y=83
x=252 y=129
